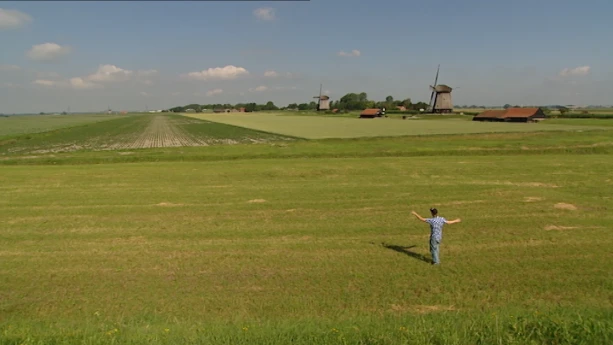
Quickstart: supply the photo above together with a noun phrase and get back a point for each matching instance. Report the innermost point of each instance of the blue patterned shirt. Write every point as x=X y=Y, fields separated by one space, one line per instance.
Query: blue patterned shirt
x=436 y=227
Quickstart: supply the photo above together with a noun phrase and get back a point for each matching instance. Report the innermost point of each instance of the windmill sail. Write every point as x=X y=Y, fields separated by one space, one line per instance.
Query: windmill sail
x=432 y=96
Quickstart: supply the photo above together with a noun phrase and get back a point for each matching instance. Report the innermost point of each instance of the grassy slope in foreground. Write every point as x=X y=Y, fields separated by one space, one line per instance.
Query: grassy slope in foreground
x=16 y=125
x=290 y=251
x=317 y=127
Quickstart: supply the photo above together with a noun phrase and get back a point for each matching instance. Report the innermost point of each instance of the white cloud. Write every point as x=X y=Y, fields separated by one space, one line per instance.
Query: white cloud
x=327 y=92
x=9 y=68
x=13 y=19
x=72 y=83
x=147 y=73
x=578 y=71
x=214 y=92
x=260 y=88
x=275 y=74
x=44 y=82
x=282 y=88
x=353 y=53
x=110 y=73
x=144 y=94
x=80 y=83
x=48 y=52
x=224 y=73
x=104 y=74
x=265 y=13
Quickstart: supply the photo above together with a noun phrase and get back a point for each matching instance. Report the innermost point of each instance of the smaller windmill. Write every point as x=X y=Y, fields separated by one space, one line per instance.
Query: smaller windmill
x=323 y=101
x=440 y=99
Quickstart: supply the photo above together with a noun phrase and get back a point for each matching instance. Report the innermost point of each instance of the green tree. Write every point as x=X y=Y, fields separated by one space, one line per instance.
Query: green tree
x=353 y=101
x=249 y=107
x=196 y=107
x=270 y=106
x=419 y=105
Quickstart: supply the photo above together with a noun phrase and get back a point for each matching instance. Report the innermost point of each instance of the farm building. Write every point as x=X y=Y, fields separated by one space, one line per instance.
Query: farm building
x=490 y=115
x=512 y=115
x=370 y=113
x=524 y=114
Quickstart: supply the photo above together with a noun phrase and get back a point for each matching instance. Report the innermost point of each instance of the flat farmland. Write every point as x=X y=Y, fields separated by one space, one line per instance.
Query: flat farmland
x=134 y=132
x=166 y=229
x=308 y=251
x=319 y=127
x=24 y=124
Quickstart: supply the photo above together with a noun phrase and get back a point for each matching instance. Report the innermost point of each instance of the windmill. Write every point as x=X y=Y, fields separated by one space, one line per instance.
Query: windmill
x=323 y=101
x=440 y=99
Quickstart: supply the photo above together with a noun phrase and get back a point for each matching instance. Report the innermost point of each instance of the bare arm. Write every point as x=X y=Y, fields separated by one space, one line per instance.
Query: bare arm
x=418 y=216
x=453 y=221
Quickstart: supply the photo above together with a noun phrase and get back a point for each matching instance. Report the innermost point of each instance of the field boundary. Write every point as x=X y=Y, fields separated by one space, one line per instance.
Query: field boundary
x=327 y=127
x=170 y=155
x=244 y=127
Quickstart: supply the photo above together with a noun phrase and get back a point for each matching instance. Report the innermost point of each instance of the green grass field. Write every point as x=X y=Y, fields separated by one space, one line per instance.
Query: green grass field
x=283 y=241
x=133 y=132
x=319 y=127
x=14 y=125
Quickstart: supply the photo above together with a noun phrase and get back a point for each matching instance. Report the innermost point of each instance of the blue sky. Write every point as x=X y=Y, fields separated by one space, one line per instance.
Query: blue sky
x=132 y=55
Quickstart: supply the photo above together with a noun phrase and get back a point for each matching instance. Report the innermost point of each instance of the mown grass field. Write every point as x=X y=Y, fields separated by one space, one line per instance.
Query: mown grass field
x=309 y=242
x=15 y=125
x=319 y=127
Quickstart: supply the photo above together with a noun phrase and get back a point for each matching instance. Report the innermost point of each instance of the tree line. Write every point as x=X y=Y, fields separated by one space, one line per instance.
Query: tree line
x=349 y=102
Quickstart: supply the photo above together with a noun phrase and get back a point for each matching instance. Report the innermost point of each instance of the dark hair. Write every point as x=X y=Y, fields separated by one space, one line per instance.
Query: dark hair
x=434 y=211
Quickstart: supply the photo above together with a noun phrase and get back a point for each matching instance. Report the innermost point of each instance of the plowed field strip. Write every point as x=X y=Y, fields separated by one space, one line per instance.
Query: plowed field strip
x=162 y=132
x=135 y=132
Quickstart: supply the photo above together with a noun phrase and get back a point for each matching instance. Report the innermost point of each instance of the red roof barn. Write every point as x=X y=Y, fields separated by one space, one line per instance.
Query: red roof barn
x=512 y=115
x=490 y=115
x=370 y=113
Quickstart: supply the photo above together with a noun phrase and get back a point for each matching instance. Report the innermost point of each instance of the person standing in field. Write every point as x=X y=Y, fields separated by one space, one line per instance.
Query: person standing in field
x=436 y=231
